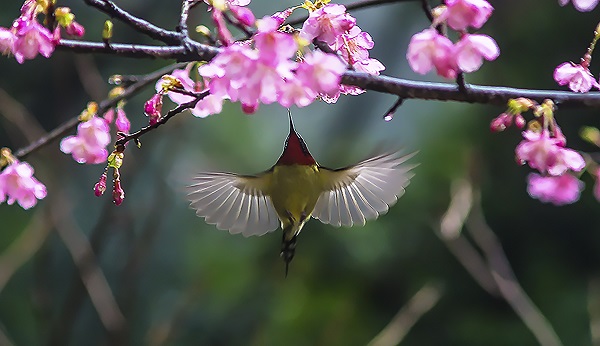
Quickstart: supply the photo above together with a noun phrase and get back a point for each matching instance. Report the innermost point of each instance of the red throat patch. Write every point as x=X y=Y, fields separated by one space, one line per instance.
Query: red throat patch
x=295 y=151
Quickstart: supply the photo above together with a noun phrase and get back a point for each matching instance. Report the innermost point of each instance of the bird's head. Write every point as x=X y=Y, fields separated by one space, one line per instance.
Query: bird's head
x=295 y=150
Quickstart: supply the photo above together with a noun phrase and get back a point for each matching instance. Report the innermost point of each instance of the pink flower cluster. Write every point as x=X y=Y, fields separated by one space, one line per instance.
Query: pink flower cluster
x=581 y=5
x=27 y=38
x=260 y=73
x=17 y=183
x=274 y=66
x=549 y=156
x=89 y=144
x=332 y=25
x=429 y=49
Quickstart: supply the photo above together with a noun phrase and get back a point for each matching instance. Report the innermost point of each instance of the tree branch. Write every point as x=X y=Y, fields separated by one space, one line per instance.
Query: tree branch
x=163 y=120
x=495 y=95
x=70 y=124
x=189 y=51
x=138 y=24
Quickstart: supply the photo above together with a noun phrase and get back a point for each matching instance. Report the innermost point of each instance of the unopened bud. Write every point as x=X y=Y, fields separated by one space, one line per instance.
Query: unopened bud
x=100 y=186
x=519 y=121
x=107 y=31
x=243 y=14
x=118 y=193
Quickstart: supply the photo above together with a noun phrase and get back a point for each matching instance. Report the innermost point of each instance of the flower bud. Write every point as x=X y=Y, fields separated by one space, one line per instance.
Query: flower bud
x=243 y=14
x=519 y=121
x=100 y=186
x=118 y=193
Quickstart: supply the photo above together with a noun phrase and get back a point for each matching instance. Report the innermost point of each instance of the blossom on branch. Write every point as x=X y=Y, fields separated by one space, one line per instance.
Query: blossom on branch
x=577 y=76
x=461 y=14
x=89 y=144
x=547 y=154
x=429 y=49
x=17 y=184
x=327 y=24
x=470 y=51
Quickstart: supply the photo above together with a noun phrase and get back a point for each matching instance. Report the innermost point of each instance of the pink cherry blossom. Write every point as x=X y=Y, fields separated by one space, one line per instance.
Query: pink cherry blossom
x=354 y=45
x=545 y=154
x=183 y=76
x=321 y=72
x=7 y=41
x=579 y=78
x=581 y=5
x=429 y=49
x=558 y=190
x=472 y=49
x=32 y=38
x=327 y=24
x=89 y=145
x=211 y=104
x=295 y=92
x=17 y=183
x=274 y=46
x=461 y=14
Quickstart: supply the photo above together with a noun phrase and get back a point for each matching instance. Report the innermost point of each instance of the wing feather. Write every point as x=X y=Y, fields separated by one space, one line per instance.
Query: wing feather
x=364 y=191
x=235 y=203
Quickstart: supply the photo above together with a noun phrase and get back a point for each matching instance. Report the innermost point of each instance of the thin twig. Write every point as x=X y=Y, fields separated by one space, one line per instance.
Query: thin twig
x=494 y=95
x=427 y=9
x=70 y=124
x=593 y=307
x=91 y=275
x=138 y=24
x=4 y=340
x=19 y=116
x=506 y=281
x=173 y=112
x=183 y=18
x=450 y=232
x=423 y=301
x=24 y=247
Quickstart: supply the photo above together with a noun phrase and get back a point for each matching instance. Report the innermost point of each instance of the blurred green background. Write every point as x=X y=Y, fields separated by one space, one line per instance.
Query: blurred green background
x=178 y=281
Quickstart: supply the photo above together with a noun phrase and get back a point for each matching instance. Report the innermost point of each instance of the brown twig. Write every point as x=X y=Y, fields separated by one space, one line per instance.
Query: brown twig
x=163 y=120
x=506 y=281
x=423 y=301
x=86 y=262
x=138 y=24
x=450 y=232
x=70 y=124
x=24 y=247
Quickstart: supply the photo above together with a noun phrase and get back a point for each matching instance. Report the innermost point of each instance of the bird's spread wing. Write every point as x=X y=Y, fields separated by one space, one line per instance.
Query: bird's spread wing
x=233 y=202
x=364 y=191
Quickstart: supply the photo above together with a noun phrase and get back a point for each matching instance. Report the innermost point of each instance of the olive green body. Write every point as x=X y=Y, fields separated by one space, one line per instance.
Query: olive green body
x=294 y=191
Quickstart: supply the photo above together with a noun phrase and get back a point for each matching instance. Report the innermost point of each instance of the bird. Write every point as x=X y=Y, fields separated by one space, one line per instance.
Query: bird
x=297 y=188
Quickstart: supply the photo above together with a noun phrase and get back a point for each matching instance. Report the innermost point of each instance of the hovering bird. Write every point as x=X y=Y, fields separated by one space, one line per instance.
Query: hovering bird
x=295 y=189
